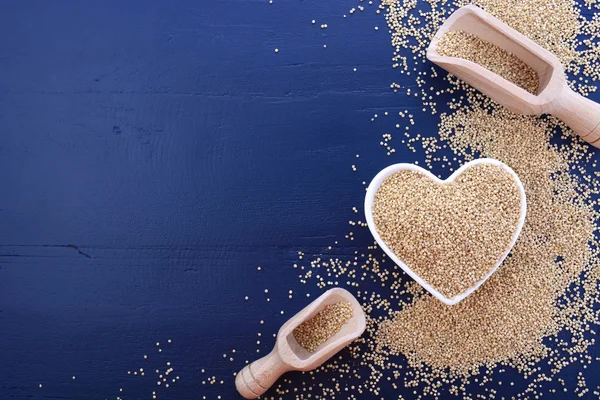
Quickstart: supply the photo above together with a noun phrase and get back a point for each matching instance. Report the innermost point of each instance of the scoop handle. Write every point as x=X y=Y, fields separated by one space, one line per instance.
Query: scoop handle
x=580 y=113
x=256 y=378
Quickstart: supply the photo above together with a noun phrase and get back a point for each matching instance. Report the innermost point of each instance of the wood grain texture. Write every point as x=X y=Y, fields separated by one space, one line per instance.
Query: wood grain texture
x=154 y=153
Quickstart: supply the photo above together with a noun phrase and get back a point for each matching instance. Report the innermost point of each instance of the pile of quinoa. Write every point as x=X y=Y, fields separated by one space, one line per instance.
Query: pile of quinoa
x=539 y=314
x=464 y=45
x=453 y=234
x=320 y=328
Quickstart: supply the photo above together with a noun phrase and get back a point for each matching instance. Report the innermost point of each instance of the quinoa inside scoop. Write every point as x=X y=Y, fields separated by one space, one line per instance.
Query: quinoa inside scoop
x=320 y=328
x=469 y=47
x=450 y=234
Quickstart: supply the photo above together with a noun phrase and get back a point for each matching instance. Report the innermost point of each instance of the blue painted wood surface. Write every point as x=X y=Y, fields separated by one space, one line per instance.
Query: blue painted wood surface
x=152 y=155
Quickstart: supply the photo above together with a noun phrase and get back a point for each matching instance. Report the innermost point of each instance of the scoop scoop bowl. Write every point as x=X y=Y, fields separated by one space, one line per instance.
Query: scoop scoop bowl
x=554 y=96
x=392 y=169
x=287 y=355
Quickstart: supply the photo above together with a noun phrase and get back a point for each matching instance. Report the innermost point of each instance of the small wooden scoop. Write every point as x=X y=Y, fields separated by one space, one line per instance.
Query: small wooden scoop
x=554 y=97
x=287 y=355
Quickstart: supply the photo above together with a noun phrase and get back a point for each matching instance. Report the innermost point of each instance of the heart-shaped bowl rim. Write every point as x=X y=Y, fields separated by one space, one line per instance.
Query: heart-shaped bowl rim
x=392 y=169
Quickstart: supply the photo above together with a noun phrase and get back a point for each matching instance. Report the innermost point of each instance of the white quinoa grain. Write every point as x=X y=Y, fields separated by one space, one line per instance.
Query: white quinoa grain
x=317 y=330
x=469 y=47
x=453 y=234
x=548 y=287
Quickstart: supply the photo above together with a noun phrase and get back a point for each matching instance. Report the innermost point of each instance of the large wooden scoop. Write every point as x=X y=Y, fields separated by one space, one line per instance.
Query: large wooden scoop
x=256 y=378
x=554 y=96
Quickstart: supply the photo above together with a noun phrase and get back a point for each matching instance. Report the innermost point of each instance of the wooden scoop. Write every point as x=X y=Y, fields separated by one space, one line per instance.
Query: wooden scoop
x=287 y=355
x=554 y=96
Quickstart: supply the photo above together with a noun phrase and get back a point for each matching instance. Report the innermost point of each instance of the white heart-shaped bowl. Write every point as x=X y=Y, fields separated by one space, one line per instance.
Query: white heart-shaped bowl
x=392 y=169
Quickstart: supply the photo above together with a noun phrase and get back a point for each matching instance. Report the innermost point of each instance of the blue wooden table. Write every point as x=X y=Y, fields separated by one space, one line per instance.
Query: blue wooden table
x=153 y=154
